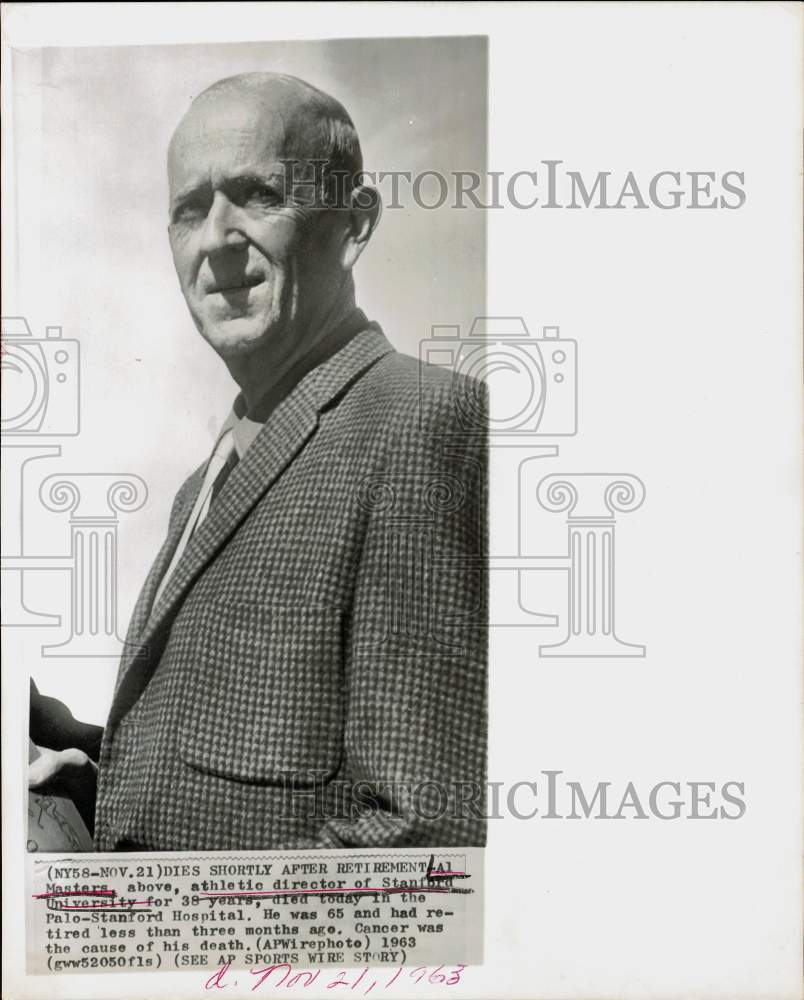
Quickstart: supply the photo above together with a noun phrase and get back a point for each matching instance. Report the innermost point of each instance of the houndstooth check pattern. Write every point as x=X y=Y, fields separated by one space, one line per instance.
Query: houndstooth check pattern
x=314 y=673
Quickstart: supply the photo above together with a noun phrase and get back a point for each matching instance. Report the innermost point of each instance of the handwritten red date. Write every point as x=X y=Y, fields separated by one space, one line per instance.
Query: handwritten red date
x=282 y=976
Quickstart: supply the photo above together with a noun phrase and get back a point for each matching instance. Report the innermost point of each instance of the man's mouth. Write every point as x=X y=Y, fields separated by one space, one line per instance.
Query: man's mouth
x=240 y=284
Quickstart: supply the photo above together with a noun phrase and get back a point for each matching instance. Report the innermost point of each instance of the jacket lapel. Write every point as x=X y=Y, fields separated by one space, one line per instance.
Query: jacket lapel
x=139 y=616
x=280 y=440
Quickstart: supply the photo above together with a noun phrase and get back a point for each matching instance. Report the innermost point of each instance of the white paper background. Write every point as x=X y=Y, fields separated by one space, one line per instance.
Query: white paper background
x=688 y=325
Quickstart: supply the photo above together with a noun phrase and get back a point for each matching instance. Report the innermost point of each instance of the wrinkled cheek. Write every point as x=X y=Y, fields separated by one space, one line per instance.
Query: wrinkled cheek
x=185 y=259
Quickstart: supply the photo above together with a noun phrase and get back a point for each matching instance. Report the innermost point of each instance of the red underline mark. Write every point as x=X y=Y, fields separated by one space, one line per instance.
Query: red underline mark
x=92 y=894
x=76 y=892
x=329 y=892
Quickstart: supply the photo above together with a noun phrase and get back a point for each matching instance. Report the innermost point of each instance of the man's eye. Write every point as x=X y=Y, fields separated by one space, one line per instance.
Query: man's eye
x=190 y=212
x=258 y=193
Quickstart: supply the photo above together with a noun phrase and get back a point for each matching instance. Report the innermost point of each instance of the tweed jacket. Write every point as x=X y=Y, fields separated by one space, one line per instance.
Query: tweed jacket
x=314 y=673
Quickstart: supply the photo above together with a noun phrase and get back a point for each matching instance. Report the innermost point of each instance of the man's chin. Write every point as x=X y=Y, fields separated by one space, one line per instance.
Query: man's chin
x=238 y=336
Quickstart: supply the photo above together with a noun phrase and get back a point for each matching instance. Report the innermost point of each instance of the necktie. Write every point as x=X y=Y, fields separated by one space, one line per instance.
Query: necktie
x=223 y=460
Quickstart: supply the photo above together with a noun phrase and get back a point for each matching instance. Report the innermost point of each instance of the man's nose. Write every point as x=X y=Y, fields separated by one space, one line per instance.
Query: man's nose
x=221 y=226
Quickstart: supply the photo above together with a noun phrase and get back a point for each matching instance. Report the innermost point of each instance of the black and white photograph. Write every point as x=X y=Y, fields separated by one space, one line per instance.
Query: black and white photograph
x=307 y=655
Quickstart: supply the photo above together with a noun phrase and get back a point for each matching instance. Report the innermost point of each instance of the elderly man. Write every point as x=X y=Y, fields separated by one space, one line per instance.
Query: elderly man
x=306 y=663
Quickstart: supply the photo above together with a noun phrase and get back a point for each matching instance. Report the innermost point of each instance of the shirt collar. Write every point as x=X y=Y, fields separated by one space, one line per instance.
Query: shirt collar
x=244 y=431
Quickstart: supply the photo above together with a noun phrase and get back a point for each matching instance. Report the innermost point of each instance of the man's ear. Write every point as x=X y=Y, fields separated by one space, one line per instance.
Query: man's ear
x=365 y=210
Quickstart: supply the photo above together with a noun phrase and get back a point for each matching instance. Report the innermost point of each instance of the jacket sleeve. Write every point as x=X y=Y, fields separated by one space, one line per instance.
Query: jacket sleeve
x=416 y=669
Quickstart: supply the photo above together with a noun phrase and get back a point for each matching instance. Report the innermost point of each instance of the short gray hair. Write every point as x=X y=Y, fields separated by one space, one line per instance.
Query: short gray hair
x=339 y=143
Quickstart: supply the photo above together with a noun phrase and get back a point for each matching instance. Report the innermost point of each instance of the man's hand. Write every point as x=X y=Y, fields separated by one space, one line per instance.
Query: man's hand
x=66 y=765
x=66 y=772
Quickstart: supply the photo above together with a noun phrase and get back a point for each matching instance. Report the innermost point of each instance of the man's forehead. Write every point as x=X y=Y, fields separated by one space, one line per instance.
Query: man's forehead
x=242 y=129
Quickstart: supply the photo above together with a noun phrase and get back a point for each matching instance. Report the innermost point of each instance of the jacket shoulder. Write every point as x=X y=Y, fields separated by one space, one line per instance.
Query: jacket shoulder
x=433 y=397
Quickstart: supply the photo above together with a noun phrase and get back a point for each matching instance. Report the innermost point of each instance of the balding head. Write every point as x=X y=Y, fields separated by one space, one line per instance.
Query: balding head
x=299 y=122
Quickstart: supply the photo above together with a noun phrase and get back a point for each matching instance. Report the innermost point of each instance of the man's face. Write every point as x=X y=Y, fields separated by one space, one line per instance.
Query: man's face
x=254 y=266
